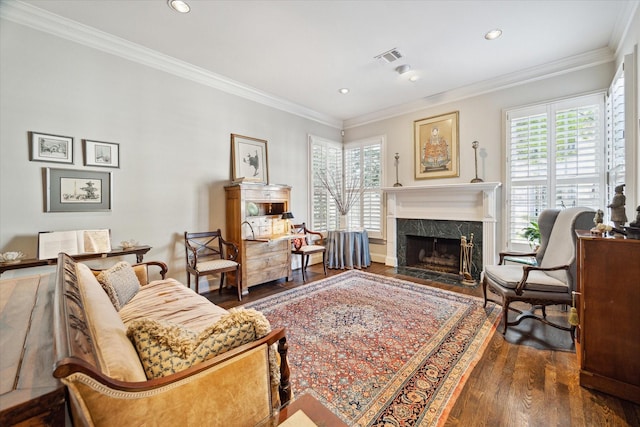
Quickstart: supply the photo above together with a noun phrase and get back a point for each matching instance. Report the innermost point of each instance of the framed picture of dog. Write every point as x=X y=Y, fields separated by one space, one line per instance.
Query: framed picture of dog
x=249 y=159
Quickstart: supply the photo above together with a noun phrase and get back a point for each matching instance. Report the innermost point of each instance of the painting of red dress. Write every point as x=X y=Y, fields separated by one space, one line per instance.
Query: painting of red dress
x=436 y=147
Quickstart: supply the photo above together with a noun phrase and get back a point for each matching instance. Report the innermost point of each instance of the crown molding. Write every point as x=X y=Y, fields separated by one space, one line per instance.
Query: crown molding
x=557 y=68
x=41 y=20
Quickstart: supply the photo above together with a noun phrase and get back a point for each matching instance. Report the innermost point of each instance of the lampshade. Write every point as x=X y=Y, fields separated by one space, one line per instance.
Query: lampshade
x=287 y=215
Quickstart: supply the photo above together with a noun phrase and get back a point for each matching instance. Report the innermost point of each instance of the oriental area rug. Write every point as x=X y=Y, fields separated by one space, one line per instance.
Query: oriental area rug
x=379 y=351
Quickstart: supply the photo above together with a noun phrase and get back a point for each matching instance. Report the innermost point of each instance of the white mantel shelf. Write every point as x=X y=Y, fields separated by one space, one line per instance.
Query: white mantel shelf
x=454 y=202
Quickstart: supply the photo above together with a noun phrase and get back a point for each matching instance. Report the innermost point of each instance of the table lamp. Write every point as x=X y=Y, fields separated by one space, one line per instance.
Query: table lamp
x=287 y=216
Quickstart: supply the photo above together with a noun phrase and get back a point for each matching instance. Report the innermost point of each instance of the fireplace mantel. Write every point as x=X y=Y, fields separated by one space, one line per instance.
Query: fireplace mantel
x=457 y=202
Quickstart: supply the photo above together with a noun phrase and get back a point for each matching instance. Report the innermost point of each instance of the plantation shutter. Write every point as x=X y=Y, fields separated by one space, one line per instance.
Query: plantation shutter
x=528 y=166
x=363 y=166
x=616 y=133
x=355 y=165
x=326 y=157
x=554 y=159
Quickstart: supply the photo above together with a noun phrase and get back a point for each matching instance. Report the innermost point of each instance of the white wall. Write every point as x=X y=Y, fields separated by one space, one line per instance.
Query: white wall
x=174 y=138
x=481 y=119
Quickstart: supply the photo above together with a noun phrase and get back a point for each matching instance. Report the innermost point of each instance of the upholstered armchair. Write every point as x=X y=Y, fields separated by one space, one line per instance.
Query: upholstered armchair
x=552 y=280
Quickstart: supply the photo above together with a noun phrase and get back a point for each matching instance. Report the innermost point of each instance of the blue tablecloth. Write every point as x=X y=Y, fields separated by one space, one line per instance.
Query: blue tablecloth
x=348 y=249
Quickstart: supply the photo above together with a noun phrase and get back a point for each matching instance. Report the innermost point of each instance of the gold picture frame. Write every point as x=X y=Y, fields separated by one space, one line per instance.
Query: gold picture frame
x=437 y=145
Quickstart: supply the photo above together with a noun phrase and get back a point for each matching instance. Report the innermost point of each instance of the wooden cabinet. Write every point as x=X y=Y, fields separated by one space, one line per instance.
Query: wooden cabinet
x=254 y=224
x=608 y=339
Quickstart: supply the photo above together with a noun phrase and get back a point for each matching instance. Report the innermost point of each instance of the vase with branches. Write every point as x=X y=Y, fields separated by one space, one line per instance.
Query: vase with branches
x=344 y=192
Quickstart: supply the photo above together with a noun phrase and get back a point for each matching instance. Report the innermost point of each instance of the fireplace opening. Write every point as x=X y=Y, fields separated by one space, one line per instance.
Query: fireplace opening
x=433 y=253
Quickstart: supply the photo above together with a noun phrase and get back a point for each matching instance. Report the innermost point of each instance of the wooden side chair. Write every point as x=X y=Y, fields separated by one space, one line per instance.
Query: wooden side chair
x=208 y=253
x=306 y=246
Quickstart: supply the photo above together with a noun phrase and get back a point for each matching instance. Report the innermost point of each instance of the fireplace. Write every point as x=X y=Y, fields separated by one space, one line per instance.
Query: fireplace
x=444 y=211
x=433 y=253
x=435 y=244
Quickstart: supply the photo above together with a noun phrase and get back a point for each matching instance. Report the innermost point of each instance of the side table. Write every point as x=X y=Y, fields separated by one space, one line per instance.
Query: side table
x=348 y=249
x=313 y=409
x=138 y=251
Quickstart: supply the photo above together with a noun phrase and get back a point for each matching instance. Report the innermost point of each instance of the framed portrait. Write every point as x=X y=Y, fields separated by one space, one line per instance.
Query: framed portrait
x=437 y=147
x=72 y=190
x=249 y=159
x=44 y=147
x=104 y=154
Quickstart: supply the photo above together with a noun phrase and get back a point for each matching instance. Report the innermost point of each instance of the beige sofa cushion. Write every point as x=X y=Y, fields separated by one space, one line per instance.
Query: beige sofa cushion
x=116 y=355
x=166 y=348
x=170 y=301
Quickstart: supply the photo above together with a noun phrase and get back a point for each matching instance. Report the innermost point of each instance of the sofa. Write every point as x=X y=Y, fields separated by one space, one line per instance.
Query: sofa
x=154 y=352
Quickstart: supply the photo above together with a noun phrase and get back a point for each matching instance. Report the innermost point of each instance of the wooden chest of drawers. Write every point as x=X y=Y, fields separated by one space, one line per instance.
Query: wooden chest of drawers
x=608 y=283
x=255 y=225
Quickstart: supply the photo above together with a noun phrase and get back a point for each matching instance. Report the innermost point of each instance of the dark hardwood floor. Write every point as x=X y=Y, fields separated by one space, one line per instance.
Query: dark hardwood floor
x=512 y=384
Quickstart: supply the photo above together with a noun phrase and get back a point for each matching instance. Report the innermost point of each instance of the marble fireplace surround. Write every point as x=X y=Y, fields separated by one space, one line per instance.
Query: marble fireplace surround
x=449 y=202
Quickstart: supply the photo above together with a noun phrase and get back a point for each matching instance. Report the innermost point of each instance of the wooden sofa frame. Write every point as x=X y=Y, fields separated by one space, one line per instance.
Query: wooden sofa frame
x=75 y=352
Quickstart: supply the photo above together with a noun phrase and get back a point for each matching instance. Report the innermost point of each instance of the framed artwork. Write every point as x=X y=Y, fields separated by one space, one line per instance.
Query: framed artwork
x=437 y=147
x=249 y=159
x=72 y=190
x=50 y=148
x=105 y=154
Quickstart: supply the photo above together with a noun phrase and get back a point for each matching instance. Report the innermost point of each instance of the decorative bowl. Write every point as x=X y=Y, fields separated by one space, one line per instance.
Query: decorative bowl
x=252 y=209
x=11 y=257
x=128 y=244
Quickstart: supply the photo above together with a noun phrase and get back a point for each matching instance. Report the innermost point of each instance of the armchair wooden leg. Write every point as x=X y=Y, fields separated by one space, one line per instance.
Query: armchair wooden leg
x=303 y=267
x=197 y=283
x=324 y=262
x=221 y=283
x=239 y=283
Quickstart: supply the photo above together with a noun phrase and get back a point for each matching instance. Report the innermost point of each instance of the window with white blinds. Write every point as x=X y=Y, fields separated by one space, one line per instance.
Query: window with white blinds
x=615 y=133
x=355 y=164
x=555 y=155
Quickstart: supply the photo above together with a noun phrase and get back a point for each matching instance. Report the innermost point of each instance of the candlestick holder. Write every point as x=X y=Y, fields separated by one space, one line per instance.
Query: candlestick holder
x=397 y=157
x=475 y=144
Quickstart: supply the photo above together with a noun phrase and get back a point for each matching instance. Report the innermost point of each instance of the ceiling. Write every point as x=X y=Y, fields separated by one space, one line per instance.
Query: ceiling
x=303 y=52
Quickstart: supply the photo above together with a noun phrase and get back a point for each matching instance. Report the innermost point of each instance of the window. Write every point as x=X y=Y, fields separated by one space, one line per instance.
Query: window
x=615 y=134
x=357 y=164
x=555 y=158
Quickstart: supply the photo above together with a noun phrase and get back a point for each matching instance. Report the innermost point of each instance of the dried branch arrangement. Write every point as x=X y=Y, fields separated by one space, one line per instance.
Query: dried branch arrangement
x=345 y=197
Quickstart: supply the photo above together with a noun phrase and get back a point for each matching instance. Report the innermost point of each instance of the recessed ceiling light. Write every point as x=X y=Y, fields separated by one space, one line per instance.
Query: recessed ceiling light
x=344 y=90
x=179 y=6
x=414 y=78
x=493 y=34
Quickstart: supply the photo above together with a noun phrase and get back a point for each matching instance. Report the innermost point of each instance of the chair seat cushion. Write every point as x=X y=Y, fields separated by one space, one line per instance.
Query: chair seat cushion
x=216 y=264
x=508 y=276
x=311 y=249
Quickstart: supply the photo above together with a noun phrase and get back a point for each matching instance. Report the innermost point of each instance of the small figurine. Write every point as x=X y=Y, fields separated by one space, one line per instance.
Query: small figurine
x=618 y=215
x=636 y=223
x=598 y=217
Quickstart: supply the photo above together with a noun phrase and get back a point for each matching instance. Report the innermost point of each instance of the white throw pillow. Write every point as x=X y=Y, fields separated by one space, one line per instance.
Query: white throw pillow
x=120 y=283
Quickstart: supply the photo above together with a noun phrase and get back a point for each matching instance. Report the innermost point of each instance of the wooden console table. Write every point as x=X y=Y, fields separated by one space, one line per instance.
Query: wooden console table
x=138 y=251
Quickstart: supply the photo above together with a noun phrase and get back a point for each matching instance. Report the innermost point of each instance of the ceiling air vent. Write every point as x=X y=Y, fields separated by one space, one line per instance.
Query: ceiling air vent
x=389 y=56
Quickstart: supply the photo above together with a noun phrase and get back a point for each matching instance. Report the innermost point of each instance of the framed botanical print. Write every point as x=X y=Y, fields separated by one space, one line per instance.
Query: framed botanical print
x=437 y=147
x=249 y=159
